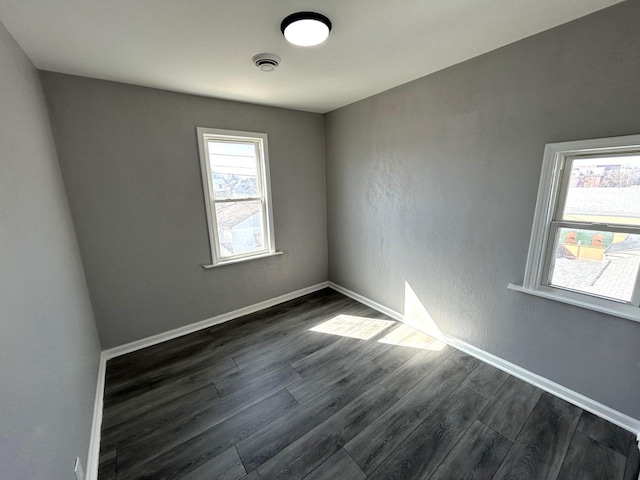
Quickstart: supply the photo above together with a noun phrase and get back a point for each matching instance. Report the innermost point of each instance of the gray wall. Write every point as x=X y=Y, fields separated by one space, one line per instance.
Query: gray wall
x=434 y=183
x=130 y=164
x=49 y=346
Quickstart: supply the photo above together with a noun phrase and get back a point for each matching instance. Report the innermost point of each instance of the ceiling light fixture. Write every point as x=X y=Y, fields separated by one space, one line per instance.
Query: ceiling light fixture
x=305 y=29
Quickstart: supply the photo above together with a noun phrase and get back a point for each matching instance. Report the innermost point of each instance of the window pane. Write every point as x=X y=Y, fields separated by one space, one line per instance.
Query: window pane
x=598 y=263
x=240 y=227
x=604 y=190
x=234 y=171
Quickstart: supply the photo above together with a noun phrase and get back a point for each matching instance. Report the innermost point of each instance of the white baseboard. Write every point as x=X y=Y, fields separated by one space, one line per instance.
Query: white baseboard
x=367 y=301
x=578 y=399
x=91 y=472
x=209 y=322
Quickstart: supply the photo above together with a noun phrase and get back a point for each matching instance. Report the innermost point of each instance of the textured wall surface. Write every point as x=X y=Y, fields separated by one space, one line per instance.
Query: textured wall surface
x=49 y=345
x=431 y=188
x=131 y=168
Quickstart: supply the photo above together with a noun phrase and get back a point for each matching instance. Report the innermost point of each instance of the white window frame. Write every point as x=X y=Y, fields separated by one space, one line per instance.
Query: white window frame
x=264 y=193
x=556 y=156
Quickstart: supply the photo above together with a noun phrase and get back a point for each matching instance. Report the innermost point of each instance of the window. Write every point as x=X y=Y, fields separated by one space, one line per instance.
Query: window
x=585 y=243
x=235 y=177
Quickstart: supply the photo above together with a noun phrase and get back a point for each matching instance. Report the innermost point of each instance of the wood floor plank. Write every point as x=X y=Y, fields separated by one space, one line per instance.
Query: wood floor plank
x=174 y=411
x=342 y=354
x=588 y=459
x=239 y=379
x=226 y=466
x=478 y=455
x=315 y=384
x=394 y=358
x=291 y=348
x=252 y=476
x=196 y=374
x=510 y=408
x=264 y=340
x=486 y=380
x=107 y=466
x=279 y=315
x=463 y=360
x=353 y=326
x=419 y=455
x=542 y=444
x=312 y=449
x=339 y=466
x=160 y=354
x=632 y=469
x=199 y=449
x=308 y=387
x=402 y=334
x=200 y=429
x=263 y=352
x=212 y=411
x=406 y=377
x=605 y=433
x=253 y=353
x=269 y=441
x=150 y=399
x=379 y=439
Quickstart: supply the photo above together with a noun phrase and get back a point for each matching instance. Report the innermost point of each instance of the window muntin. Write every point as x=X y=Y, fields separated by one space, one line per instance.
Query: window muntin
x=240 y=227
x=585 y=242
x=234 y=168
x=586 y=266
x=237 y=194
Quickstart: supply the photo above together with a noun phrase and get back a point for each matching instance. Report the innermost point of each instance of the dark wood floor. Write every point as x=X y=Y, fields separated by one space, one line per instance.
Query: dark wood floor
x=323 y=387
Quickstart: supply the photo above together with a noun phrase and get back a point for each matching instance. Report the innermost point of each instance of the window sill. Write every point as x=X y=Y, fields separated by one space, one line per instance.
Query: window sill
x=628 y=312
x=240 y=260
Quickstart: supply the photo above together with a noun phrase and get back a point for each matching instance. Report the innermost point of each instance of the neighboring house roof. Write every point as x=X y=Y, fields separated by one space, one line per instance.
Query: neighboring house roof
x=632 y=242
x=564 y=252
x=604 y=201
x=228 y=215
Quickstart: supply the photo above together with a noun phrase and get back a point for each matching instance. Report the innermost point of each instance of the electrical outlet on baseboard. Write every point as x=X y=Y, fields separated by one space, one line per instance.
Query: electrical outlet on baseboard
x=77 y=469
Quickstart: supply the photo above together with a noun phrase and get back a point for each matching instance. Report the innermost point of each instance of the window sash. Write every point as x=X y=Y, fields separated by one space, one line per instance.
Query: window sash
x=564 y=179
x=265 y=234
x=549 y=256
x=257 y=145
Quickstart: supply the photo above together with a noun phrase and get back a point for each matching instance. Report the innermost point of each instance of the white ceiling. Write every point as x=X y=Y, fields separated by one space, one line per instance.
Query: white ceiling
x=205 y=46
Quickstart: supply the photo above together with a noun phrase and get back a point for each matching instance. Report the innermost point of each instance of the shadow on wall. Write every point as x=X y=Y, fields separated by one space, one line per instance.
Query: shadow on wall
x=417 y=330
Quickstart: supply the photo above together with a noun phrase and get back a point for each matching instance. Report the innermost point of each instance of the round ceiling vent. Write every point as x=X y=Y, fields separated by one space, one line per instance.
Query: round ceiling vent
x=267 y=62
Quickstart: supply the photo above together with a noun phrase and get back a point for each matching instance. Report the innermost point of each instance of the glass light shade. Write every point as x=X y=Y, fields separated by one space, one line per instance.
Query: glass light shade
x=306 y=32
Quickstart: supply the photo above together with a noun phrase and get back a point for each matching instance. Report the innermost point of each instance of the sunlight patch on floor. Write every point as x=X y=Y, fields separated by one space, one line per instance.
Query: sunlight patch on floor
x=407 y=336
x=353 y=326
x=418 y=329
